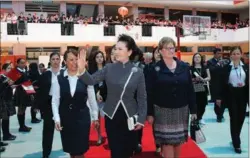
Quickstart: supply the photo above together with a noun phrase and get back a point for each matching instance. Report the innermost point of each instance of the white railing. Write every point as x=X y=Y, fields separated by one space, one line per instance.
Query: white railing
x=95 y=33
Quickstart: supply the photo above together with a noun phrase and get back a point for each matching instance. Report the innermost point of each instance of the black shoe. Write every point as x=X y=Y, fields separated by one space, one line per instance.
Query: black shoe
x=25 y=129
x=158 y=151
x=138 y=149
x=3 y=144
x=220 y=119
x=237 y=150
x=10 y=137
x=100 y=141
x=35 y=120
x=2 y=149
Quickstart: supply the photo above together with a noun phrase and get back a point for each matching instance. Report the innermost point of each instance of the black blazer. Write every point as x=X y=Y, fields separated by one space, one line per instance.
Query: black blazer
x=44 y=84
x=222 y=92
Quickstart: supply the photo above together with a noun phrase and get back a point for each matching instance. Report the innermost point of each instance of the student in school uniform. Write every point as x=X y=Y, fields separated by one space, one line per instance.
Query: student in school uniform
x=69 y=105
x=233 y=91
x=44 y=96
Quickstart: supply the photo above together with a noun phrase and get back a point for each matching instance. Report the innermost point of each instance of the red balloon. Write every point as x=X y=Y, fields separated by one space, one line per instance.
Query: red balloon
x=123 y=11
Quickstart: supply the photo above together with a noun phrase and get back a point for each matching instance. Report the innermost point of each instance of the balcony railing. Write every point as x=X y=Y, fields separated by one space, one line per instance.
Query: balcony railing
x=37 y=32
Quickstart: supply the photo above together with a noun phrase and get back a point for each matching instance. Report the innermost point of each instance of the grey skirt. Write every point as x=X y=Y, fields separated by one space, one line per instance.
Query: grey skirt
x=171 y=125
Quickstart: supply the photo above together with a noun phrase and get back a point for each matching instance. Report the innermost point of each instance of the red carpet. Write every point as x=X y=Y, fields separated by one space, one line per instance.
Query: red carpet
x=189 y=149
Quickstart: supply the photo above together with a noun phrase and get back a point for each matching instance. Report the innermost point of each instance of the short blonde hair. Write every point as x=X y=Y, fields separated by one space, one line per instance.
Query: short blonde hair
x=166 y=41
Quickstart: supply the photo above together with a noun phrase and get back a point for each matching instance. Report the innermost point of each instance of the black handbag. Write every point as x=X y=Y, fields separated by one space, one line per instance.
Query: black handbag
x=196 y=133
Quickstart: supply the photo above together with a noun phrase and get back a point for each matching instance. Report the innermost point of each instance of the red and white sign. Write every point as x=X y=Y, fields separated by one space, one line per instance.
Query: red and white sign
x=28 y=87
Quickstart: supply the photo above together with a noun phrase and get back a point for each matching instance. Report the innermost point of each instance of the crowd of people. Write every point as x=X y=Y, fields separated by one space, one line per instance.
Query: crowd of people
x=128 y=89
x=17 y=24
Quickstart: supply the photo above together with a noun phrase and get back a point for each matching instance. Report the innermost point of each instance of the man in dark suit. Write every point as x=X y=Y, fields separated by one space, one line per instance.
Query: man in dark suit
x=44 y=100
x=214 y=65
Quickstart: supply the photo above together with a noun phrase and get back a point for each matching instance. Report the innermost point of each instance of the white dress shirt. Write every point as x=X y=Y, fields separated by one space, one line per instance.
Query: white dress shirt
x=91 y=102
x=237 y=75
x=53 y=79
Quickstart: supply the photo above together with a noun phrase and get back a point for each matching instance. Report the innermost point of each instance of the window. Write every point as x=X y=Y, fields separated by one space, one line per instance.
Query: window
x=226 y=49
x=6 y=5
x=212 y=15
x=175 y=14
x=186 y=49
x=42 y=7
x=206 y=49
x=34 y=53
x=229 y=17
x=151 y=13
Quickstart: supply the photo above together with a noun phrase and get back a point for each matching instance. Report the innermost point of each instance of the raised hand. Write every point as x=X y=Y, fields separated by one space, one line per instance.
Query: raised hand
x=82 y=61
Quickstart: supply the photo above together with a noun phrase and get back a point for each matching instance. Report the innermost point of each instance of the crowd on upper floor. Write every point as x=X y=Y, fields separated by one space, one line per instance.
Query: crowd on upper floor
x=112 y=20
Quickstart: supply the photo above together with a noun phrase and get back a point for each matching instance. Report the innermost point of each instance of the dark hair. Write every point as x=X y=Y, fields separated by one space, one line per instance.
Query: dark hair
x=216 y=50
x=153 y=53
x=235 y=48
x=5 y=66
x=130 y=44
x=41 y=64
x=19 y=60
x=202 y=60
x=74 y=52
x=108 y=55
x=53 y=54
x=33 y=67
x=33 y=71
x=92 y=64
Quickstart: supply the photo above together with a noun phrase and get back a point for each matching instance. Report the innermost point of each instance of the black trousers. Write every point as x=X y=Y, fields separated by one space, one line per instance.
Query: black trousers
x=237 y=109
x=6 y=127
x=122 y=142
x=201 y=101
x=48 y=131
x=63 y=29
x=139 y=136
x=219 y=110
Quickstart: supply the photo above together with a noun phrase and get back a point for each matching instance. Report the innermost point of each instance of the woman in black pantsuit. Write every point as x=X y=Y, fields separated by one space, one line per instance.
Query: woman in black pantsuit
x=44 y=102
x=233 y=91
x=70 y=110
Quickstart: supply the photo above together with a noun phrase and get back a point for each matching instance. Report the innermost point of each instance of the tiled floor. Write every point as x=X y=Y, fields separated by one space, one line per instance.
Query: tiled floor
x=218 y=142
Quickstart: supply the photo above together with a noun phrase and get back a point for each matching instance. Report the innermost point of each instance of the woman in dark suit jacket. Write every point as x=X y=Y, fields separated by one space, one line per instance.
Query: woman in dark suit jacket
x=232 y=89
x=170 y=98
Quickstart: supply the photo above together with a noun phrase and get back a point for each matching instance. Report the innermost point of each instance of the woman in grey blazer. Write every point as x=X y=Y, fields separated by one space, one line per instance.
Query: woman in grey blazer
x=123 y=81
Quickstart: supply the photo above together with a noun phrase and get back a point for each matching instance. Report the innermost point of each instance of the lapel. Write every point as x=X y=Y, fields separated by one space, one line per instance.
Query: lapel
x=228 y=70
x=68 y=86
x=246 y=69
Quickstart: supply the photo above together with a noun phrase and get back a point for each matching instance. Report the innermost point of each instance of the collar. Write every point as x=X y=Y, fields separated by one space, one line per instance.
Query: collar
x=22 y=70
x=124 y=64
x=232 y=64
x=66 y=74
x=52 y=71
